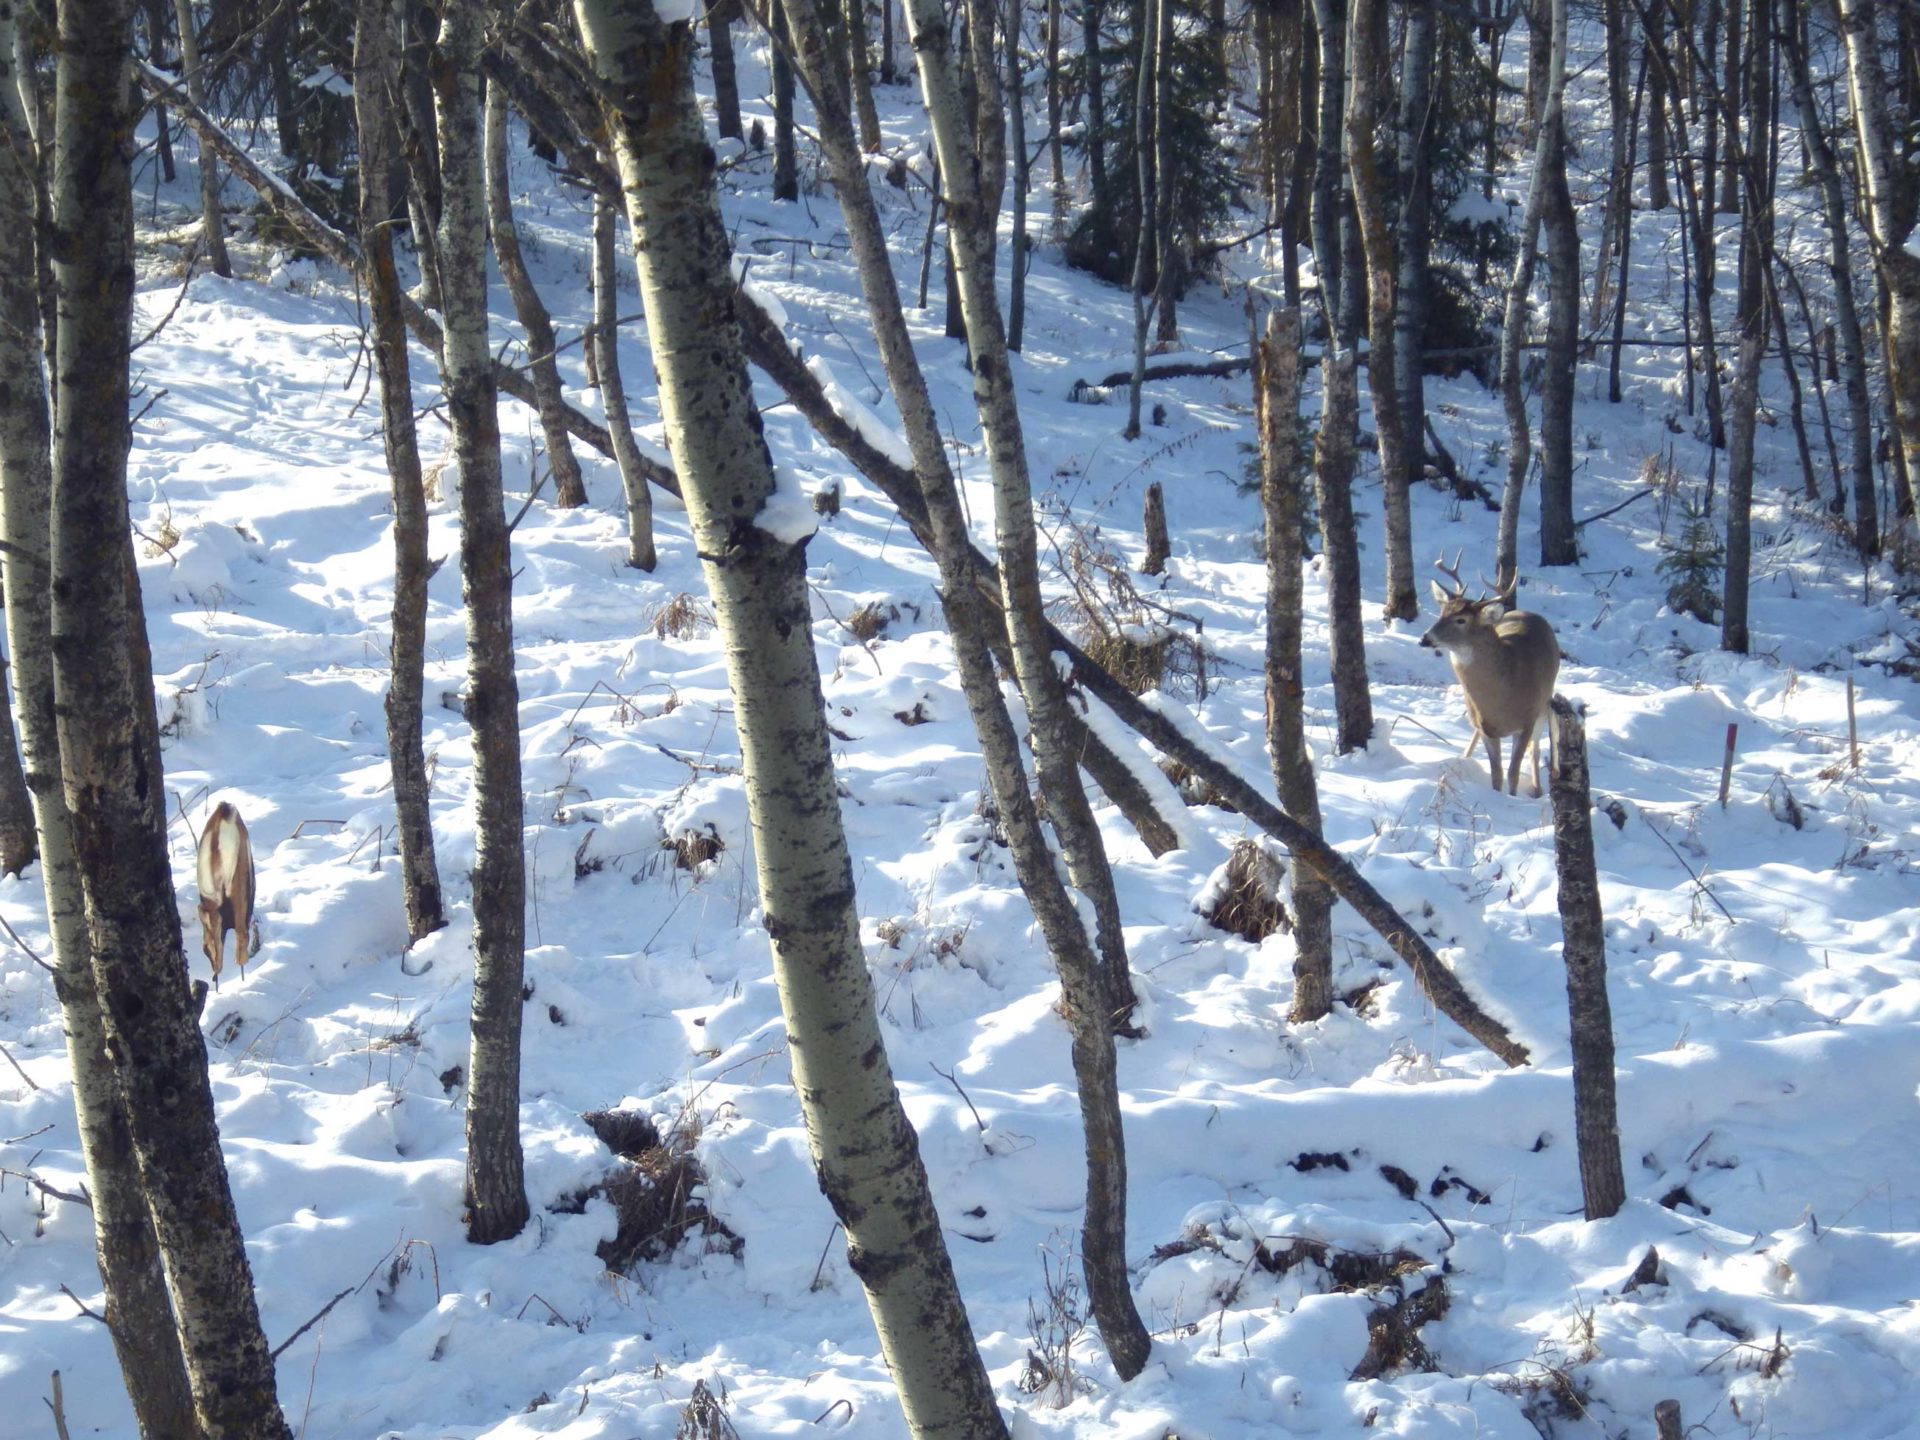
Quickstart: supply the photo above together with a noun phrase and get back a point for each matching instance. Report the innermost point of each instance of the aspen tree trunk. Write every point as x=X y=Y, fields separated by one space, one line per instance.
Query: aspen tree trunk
x=1697 y=224
x=1017 y=142
x=970 y=622
x=155 y=14
x=1167 y=261
x=1656 y=112
x=1624 y=262
x=1143 y=157
x=1056 y=117
x=110 y=753
x=786 y=163
x=971 y=224
x=1094 y=84
x=1596 y=1116
x=1756 y=245
x=1366 y=47
x=1413 y=231
x=1889 y=206
x=1728 y=180
x=726 y=83
x=1619 y=170
x=569 y=489
x=1277 y=399
x=496 y=1193
x=1330 y=23
x=1333 y=495
x=1558 y=542
x=1548 y=142
x=418 y=25
x=1539 y=61
x=213 y=230
x=613 y=391
x=864 y=1149
x=1294 y=34
x=1846 y=312
x=1333 y=447
x=376 y=75
x=863 y=106
x=140 y=1320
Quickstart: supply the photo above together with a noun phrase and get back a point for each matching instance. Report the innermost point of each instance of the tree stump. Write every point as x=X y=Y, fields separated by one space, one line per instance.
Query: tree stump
x=1590 y=1019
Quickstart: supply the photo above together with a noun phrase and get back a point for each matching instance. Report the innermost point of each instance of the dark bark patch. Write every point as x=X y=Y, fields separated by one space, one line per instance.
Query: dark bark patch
x=1311 y=1160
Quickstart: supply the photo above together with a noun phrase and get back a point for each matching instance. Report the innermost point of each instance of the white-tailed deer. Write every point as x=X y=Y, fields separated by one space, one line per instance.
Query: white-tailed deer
x=1506 y=661
x=225 y=871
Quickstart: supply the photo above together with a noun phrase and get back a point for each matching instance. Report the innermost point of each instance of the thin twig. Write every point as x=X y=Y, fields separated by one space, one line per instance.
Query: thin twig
x=84 y=1310
x=27 y=949
x=947 y=1075
x=82 y=1198
x=8 y=1056
x=1702 y=885
x=324 y=1311
x=1616 y=509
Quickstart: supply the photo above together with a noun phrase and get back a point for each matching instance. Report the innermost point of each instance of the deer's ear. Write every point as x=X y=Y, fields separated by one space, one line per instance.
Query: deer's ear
x=1492 y=611
x=1440 y=596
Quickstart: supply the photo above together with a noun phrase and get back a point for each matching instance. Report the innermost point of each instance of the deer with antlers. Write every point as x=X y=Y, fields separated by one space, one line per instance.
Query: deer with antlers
x=1506 y=661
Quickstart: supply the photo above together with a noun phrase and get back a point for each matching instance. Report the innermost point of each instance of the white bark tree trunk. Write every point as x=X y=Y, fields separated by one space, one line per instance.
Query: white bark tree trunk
x=110 y=752
x=971 y=224
x=864 y=1149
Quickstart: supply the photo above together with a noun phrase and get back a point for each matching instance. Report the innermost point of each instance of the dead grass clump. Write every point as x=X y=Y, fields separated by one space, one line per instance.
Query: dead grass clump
x=684 y=617
x=704 y=1416
x=1121 y=629
x=870 y=621
x=1248 y=902
x=1138 y=660
x=654 y=1190
x=694 y=848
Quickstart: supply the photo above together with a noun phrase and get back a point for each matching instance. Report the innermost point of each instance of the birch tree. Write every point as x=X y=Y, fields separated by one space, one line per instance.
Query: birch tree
x=569 y=489
x=864 y=1149
x=213 y=231
x=1366 y=47
x=1103 y=1253
x=1846 y=313
x=109 y=750
x=970 y=220
x=376 y=78
x=140 y=1319
x=1277 y=400
x=1549 y=142
x=613 y=390
x=1888 y=201
x=496 y=1195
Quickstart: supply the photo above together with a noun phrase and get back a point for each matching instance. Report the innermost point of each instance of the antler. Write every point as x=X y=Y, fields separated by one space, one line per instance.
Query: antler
x=1452 y=572
x=1502 y=587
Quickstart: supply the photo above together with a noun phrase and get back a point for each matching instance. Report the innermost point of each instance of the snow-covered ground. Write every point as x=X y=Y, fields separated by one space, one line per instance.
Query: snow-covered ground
x=1765 y=979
